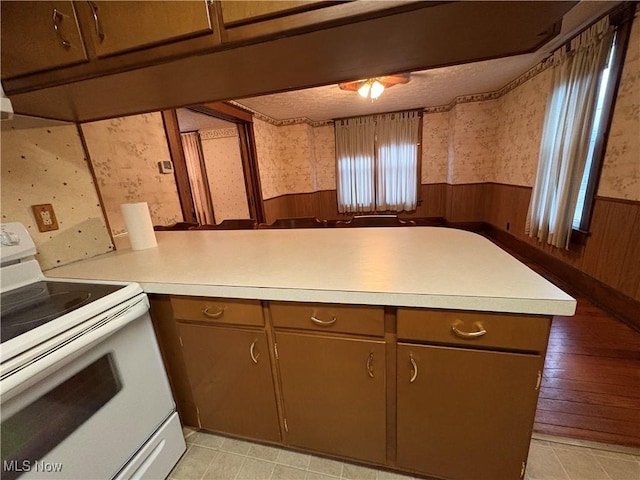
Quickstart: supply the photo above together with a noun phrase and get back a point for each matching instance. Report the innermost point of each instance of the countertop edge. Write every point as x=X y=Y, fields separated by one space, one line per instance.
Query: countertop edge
x=530 y=306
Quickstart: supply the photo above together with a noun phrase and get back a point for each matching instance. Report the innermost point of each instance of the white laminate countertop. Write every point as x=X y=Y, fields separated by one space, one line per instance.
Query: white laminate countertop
x=402 y=266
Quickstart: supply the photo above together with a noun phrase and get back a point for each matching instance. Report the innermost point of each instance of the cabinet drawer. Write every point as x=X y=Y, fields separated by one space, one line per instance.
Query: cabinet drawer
x=357 y=319
x=218 y=310
x=518 y=332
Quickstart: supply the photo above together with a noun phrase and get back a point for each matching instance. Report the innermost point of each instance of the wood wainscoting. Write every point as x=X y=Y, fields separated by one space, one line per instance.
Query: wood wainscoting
x=324 y=204
x=610 y=254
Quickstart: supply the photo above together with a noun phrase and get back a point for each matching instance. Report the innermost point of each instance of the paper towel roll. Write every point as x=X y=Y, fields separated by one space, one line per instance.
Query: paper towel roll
x=138 y=222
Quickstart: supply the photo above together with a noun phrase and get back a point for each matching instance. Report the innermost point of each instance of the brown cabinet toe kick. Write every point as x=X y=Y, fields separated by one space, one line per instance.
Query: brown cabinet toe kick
x=449 y=394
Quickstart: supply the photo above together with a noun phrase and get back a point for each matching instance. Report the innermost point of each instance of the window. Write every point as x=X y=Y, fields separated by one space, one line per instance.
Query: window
x=602 y=119
x=596 y=130
x=576 y=123
x=377 y=162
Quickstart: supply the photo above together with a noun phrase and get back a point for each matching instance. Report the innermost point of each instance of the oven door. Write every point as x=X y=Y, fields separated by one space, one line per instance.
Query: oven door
x=84 y=408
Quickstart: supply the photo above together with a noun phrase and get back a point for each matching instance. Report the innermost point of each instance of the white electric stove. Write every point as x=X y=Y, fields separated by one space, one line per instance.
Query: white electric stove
x=83 y=391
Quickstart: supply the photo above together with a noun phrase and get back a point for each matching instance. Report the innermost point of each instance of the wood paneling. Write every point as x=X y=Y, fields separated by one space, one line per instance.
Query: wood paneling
x=611 y=253
x=324 y=204
x=466 y=203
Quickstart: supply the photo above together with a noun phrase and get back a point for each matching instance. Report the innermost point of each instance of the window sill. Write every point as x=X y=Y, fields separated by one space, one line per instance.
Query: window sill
x=579 y=237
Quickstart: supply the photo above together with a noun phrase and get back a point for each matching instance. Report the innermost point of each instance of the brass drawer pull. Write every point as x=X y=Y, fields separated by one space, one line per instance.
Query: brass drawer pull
x=414 y=368
x=370 y=365
x=214 y=315
x=57 y=20
x=478 y=333
x=254 y=357
x=323 y=323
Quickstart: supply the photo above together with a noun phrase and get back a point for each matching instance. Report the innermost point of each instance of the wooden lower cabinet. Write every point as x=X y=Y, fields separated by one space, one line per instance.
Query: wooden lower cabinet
x=464 y=413
x=231 y=379
x=459 y=401
x=333 y=389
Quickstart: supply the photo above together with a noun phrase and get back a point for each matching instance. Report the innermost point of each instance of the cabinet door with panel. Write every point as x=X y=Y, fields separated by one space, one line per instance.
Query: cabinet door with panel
x=231 y=379
x=465 y=413
x=333 y=390
x=117 y=27
x=39 y=36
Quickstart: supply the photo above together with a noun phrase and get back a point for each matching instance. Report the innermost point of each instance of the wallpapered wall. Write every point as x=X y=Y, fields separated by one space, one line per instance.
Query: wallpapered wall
x=125 y=153
x=621 y=170
x=221 y=150
x=493 y=140
x=295 y=158
x=48 y=165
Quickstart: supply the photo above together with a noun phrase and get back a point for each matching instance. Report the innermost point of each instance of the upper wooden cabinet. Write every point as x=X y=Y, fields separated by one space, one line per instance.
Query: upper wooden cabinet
x=248 y=20
x=245 y=53
x=245 y=11
x=45 y=36
x=39 y=36
x=118 y=27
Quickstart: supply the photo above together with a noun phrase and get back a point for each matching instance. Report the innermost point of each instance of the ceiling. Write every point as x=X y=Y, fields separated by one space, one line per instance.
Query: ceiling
x=434 y=87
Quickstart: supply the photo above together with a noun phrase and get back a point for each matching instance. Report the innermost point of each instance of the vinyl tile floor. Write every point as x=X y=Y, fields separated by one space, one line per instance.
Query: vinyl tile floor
x=213 y=457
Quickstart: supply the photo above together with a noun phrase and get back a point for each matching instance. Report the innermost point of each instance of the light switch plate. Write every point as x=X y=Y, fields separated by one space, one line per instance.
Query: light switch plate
x=45 y=217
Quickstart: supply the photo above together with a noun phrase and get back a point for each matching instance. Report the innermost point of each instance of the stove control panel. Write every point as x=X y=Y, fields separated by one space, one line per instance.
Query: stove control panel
x=15 y=243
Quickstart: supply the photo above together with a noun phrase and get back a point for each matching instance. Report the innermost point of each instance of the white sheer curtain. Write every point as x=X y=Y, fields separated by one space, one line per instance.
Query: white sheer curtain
x=396 y=162
x=355 y=156
x=565 y=136
x=197 y=177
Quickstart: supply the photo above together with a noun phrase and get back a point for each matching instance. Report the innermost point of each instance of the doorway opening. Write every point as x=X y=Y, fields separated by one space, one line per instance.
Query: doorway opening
x=213 y=152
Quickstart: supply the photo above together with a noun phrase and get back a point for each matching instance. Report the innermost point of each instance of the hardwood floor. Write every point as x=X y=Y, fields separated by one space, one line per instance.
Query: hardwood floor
x=591 y=381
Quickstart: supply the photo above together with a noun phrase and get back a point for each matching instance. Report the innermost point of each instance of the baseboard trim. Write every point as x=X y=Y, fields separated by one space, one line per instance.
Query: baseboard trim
x=624 y=308
x=619 y=305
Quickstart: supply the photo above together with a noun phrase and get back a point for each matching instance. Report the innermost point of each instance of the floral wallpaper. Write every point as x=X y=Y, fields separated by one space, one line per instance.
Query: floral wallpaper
x=48 y=165
x=520 y=124
x=221 y=150
x=621 y=169
x=324 y=152
x=435 y=147
x=267 y=144
x=474 y=141
x=125 y=153
x=294 y=158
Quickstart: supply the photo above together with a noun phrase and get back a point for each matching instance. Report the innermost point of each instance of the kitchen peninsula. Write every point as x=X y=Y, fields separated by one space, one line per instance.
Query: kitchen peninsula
x=416 y=348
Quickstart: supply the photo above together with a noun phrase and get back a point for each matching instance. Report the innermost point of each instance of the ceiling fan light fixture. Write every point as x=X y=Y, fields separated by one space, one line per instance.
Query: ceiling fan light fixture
x=364 y=90
x=376 y=89
x=372 y=88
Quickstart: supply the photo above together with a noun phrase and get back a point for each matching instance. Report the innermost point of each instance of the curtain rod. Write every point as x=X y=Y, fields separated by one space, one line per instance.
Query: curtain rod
x=419 y=110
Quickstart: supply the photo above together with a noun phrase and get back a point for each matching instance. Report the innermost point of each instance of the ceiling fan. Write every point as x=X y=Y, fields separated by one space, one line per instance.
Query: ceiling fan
x=373 y=87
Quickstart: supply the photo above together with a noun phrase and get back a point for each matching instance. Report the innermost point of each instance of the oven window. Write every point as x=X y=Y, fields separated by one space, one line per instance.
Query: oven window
x=39 y=427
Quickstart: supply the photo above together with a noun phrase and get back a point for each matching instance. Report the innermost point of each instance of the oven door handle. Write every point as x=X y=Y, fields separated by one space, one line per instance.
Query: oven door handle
x=78 y=340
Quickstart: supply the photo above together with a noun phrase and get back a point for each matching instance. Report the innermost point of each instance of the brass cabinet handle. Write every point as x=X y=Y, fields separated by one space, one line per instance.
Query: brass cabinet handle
x=323 y=323
x=414 y=367
x=96 y=20
x=478 y=333
x=370 y=365
x=57 y=19
x=214 y=315
x=254 y=357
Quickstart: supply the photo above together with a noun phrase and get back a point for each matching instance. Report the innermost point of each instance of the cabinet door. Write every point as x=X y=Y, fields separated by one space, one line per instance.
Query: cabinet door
x=465 y=413
x=334 y=394
x=230 y=375
x=39 y=36
x=122 y=26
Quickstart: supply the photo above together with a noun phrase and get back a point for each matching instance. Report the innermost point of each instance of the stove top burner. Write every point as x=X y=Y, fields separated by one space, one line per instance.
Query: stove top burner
x=34 y=305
